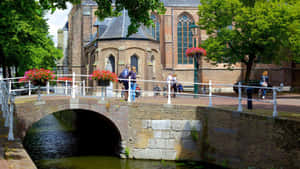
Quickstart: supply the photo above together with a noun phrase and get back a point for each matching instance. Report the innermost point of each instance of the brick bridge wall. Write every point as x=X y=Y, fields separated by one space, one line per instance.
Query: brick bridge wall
x=152 y=131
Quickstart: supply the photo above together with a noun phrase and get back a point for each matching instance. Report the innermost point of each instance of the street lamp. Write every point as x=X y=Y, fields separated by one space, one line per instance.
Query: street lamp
x=196 y=33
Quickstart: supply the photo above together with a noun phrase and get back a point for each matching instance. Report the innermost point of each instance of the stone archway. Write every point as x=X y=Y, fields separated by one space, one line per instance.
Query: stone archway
x=29 y=112
x=73 y=132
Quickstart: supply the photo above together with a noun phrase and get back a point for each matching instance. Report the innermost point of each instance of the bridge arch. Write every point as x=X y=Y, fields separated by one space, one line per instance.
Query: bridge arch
x=28 y=113
x=77 y=132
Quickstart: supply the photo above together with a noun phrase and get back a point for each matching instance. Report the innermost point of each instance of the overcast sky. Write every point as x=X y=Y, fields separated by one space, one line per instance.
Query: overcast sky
x=57 y=20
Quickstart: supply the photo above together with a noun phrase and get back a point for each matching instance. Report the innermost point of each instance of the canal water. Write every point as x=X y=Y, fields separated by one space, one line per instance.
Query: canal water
x=54 y=145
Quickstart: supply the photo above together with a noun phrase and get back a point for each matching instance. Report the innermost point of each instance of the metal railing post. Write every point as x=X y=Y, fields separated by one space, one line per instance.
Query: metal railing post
x=55 y=88
x=210 y=94
x=29 y=88
x=11 y=118
x=48 y=87
x=240 y=107
x=83 y=87
x=66 y=87
x=169 y=91
x=73 y=86
x=9 y=87
x=275 y=113
x=129 y=89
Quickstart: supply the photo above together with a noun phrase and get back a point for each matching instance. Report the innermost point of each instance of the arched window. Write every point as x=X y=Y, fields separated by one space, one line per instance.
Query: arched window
x=134 y=61
x=184 y=38
x=112 y=62
x=156 y=28
x=153 y=64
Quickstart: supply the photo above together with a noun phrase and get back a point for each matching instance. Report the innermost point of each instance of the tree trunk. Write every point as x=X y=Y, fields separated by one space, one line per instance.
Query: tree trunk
x=249 y=67
x=9 y=72
x=2 y=62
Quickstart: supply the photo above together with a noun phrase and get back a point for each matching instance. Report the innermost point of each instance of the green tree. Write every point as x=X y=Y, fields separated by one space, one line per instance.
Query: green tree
x=25 y=41
x=243 y=30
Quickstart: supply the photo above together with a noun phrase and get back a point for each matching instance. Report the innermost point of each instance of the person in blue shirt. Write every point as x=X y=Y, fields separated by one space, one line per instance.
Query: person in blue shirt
x=124 y=76
x=264 y=81
x=132 y=75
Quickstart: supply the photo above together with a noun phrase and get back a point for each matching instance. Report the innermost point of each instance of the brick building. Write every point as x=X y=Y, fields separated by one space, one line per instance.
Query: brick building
x=155 y=51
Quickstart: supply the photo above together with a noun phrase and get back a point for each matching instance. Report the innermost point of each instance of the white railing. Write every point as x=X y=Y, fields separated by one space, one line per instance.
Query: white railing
x=81 y=88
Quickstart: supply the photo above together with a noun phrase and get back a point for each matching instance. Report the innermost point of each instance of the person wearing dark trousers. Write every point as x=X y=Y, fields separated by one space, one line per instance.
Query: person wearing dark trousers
x=174 y=84
x=264 y=81
x=124 y=75
x=132 y=75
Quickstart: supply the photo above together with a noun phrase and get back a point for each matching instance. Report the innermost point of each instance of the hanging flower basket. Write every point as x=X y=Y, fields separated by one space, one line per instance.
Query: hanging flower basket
x=103 y=82
x=191 y=52
x=39 y=83
x=104 y=77
x=38 y=77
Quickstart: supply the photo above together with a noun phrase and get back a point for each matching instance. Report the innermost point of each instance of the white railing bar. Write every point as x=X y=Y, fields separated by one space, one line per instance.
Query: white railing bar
x=156 y=81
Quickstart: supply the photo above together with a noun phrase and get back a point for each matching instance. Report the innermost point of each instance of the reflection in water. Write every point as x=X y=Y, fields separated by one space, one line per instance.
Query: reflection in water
x=104 y=162
x=53 y=145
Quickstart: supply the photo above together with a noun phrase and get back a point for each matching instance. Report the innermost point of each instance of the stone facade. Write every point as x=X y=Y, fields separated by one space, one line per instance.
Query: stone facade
x=156 y=131
x=83 y=48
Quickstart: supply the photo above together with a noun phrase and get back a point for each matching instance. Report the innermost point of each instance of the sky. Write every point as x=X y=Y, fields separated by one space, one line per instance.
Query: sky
x=57 y=20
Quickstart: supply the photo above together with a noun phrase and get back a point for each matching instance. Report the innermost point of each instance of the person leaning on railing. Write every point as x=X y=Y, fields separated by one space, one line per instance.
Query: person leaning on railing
x=132 y=75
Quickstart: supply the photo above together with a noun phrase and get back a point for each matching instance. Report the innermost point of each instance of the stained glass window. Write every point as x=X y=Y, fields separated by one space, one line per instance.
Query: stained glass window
x=184 y=39
x=156 y=27
x=135 y=62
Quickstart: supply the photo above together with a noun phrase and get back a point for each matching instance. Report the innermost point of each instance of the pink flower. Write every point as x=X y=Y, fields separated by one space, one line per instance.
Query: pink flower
x=192 y=51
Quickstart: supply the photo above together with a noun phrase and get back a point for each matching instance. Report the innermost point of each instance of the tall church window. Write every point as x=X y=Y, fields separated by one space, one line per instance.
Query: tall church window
x=134 y=61
x=184 y=38
x=156 y=27
x=112 y=62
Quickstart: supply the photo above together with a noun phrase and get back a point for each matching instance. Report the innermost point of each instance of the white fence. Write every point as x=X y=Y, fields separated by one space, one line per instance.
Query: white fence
x=80 y=88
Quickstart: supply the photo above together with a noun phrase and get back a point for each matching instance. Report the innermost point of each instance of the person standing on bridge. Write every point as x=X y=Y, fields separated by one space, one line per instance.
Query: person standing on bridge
x=124 y=80
x=264 y=82
x=132 y=75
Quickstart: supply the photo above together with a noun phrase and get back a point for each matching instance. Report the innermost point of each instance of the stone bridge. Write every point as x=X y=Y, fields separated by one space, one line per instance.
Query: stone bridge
x=178 y=132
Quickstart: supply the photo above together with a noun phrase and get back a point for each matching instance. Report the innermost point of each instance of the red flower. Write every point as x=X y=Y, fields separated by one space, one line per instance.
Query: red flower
x=104 y=75
x=65 y=79
x=38 y=74
x=193 y=51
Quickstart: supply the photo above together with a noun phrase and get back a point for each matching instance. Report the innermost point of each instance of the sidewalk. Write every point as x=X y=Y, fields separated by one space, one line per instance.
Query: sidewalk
x=3 y=140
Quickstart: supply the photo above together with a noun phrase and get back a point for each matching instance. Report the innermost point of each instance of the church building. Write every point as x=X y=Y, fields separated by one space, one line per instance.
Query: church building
x=156 y=51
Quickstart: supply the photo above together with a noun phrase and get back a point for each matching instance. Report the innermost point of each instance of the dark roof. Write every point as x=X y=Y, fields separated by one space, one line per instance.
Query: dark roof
x=189 y=3
x=66 y=27
x=117 y=28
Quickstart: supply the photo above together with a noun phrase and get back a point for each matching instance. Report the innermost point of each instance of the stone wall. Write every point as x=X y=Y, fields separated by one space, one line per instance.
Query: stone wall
x=177 y=132
x=238 y=140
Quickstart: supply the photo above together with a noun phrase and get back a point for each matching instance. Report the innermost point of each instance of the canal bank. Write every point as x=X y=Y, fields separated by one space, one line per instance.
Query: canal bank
x=240 y=140
x=12 y=153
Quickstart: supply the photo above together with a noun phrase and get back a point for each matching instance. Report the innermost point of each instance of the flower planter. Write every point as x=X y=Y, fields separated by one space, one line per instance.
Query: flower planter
x=103 y=82
x=39 y=83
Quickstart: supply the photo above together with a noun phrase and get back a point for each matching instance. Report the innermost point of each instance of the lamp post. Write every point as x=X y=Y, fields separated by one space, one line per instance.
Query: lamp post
x=196 y=33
